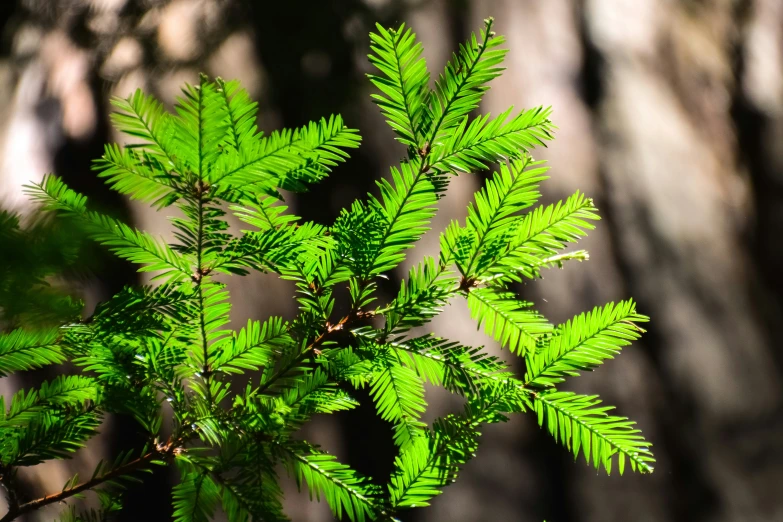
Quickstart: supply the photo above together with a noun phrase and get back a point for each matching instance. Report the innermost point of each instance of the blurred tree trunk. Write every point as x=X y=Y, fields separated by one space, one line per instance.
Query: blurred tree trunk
x=669 y=115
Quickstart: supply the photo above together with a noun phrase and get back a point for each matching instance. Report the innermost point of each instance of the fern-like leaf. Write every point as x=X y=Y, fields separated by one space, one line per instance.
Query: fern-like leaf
x=253 y=347
x=473 y=146
x=398 y=393
x=54 y=434
x=286 y=159
x=420 y=298
x=540 y=236
x=195 y=498
x=491 y=218
x=404 y=82
x=143 y=117
x=460 y=88
x=344 y=490
x=581 y=423
x=62 y=391
x=26 y=350
x=583 y=343
x=128 y=243
x=138 y=174
x=506 y=319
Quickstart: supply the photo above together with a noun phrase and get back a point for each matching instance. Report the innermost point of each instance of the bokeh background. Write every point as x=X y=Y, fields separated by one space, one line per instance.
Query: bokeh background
x=669 y=114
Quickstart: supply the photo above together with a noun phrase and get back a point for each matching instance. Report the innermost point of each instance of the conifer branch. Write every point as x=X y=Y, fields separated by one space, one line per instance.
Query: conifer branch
x=329 y=330
x=164 y=451
x=465 y=71
x=169 y=347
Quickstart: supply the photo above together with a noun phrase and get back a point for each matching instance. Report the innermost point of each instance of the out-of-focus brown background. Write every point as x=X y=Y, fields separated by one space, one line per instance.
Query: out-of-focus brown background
x=670 y=114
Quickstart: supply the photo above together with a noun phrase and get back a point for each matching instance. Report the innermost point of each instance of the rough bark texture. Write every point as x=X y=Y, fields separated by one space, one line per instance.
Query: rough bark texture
x=670 y=115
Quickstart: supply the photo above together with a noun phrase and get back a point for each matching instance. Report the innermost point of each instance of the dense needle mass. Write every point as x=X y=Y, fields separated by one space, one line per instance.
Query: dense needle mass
x=169 y=347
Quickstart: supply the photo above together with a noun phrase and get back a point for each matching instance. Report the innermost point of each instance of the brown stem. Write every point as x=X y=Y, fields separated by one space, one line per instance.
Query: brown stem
x=165 y=450
x=330 y=329
x=299 y=358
